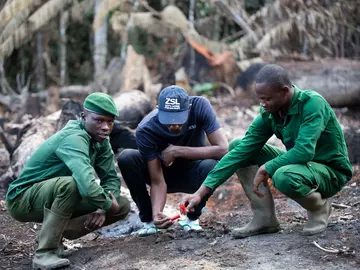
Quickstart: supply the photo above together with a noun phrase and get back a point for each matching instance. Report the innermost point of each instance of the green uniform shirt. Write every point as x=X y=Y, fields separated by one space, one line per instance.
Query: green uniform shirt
x=310 y=132
x=72 y=152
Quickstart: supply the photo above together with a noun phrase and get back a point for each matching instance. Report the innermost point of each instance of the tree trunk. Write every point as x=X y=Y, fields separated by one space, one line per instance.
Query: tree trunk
x=192 y=50
x=40 y=69
x=64 y=18
x=22 y=76
x=4 y=85
x=100 y=45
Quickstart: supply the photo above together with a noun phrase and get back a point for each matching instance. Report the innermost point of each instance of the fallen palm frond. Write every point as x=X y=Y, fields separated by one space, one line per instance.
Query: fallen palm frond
x=317 y=28
x=13 y=8
x=38 y=19
x=47 y=12
x=20 y=36
x=15 y=22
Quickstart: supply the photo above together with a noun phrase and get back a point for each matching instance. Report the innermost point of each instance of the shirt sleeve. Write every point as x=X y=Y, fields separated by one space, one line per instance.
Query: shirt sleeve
x=241 y=155
x=208 y=117
x=74 y=152
x=105 y=169
x=315 y=119
x=146 y=148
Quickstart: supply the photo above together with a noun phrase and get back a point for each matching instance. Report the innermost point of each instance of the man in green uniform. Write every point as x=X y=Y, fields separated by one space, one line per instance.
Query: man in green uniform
x=57 y=185
x=314 y=167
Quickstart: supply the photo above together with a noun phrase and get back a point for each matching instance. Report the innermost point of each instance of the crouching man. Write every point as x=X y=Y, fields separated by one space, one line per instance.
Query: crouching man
x=173 y=156
x=314 y=167
x=57 y=185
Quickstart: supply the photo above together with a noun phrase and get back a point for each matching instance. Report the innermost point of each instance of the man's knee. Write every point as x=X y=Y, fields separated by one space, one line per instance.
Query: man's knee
x=289 y=182
x=67 y=184
x=206 y=166
x=127 y=157
x=124 y=204
x=233 y=143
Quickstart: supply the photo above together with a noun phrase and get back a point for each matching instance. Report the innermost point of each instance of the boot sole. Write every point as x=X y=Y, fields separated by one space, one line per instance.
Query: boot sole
x=261 y=231
x=36 y=266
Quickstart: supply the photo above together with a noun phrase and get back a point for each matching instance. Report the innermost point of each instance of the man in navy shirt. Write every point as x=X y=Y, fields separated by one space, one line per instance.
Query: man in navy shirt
x=172 y=156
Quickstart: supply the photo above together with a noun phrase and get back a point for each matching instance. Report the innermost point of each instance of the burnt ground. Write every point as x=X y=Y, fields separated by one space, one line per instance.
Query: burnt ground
x=214 y=248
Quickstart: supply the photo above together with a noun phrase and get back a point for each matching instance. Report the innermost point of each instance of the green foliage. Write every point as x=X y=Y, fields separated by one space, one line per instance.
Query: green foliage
x=204 y=8
x=205 y=88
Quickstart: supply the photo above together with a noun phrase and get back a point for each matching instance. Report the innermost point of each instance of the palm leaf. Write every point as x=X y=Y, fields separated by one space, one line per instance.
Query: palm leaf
x=38 y=19
x=47 y=12
x=14 y=24
x=15 y=7
x=291 y=26
x=20 y=36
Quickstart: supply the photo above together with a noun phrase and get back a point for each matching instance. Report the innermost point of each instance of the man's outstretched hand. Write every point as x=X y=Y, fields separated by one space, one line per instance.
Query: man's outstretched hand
x=162 y=221
x=190 y=201
x=95 y=220
x=261 y=176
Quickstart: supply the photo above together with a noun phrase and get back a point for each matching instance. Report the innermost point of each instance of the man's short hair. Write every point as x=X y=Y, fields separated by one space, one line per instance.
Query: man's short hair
x=274 y=75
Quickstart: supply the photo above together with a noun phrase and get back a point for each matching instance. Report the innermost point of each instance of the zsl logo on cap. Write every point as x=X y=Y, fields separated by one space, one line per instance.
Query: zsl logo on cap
x=172 y=104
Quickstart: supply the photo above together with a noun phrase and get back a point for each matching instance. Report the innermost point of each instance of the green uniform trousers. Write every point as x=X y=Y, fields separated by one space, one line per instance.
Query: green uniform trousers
x=60 y=194
x=296 y=180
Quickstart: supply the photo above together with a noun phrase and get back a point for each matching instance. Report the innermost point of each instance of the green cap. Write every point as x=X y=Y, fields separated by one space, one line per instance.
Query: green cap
x=101 y=103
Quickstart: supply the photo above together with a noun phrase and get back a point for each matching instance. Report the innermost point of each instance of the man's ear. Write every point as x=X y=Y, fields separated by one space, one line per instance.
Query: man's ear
x=286 y=89
x=83 y=116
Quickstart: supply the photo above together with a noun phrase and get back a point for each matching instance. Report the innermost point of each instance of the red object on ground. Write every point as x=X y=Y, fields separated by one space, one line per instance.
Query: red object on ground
x=175 y=217
x=182 y=209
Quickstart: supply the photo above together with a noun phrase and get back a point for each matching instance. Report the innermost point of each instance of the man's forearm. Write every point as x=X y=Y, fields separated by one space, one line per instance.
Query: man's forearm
x=158 y=197
x=203 y=191
x=205 y=152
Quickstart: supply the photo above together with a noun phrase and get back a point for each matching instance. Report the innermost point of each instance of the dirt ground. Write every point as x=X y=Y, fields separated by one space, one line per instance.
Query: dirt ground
x=214 y=248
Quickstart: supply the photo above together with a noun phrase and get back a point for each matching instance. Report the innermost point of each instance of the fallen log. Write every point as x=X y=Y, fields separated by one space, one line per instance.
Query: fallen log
x=40 y=130
x=133 y=106
x=337 y=81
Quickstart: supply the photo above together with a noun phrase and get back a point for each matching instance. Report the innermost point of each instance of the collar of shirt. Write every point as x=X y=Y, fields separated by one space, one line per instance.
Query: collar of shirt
x=294 y=107
x=94 y=144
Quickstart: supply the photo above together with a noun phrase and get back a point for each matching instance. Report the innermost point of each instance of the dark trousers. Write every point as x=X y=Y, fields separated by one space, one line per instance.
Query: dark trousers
x=182 y=176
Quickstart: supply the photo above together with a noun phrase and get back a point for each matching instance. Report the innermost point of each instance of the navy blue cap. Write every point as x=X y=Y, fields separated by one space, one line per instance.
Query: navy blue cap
x=173 y=105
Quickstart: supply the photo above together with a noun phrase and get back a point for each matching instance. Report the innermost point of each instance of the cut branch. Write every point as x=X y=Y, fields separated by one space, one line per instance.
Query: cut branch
x=224 y=7
x=330 y=250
